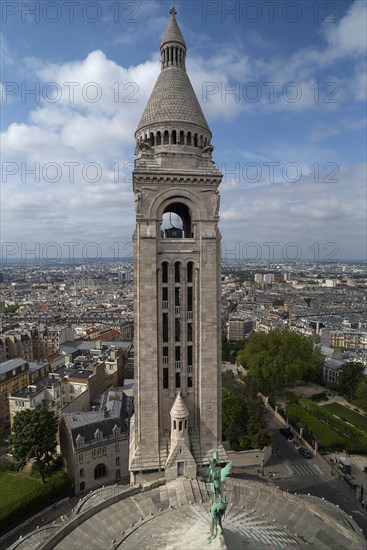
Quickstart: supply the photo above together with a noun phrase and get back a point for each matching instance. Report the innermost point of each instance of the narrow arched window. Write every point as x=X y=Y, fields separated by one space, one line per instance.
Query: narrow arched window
x=174 y=137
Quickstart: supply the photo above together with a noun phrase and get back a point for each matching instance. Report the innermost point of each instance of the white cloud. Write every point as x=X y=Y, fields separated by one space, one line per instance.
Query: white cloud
x=348 y=36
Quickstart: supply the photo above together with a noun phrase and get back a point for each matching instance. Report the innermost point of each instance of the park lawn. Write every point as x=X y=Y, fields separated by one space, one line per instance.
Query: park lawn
x=21 y=494
x=344 y=413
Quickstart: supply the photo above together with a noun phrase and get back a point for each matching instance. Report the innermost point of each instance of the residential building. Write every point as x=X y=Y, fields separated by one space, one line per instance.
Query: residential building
x=95 y=444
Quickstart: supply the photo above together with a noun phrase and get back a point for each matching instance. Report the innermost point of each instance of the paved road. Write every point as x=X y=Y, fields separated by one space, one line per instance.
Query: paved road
x=297 y=474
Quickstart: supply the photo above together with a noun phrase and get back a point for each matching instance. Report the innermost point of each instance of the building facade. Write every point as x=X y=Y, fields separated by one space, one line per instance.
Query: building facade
x=95 y=444
x=177 y=272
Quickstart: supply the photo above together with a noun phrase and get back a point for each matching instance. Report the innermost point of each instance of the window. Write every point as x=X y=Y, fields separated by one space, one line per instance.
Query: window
x=178 y=380
x=71 y=389
x=165 y=272
x=81 y=472
x=189 y=333
x=189 y=355
x=117 y=461
x=98 y=435
x=177 y=330
x=177 y=272
x=165 y=378
x=99 y=471
x=165 y=327
x=189 y=298
x=177 y=296
x=190 y=266
x=180 y=468
x=165 y=294
x=117 y=447
x=189 y=381
x=118 y=475
x=81 y=458
x=82 y=486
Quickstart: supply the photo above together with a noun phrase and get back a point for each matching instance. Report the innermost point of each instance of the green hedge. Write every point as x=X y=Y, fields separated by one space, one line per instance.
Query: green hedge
x=329 y=431
x=354 y=438
x=327 y=437
x=21 y=494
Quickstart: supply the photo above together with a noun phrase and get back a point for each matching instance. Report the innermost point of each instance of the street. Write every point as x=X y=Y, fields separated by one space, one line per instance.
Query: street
x=312 y=476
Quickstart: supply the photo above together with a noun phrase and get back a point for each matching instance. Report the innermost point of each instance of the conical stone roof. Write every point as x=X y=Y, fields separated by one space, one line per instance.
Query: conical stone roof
x=179 y=409
x=173 y=33
x=173 y=100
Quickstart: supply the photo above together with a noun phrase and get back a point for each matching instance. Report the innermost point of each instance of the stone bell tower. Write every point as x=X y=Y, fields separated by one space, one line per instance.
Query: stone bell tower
x=177 y=274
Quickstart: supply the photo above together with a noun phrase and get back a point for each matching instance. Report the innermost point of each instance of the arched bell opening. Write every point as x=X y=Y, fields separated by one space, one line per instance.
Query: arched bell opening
x=176 y=222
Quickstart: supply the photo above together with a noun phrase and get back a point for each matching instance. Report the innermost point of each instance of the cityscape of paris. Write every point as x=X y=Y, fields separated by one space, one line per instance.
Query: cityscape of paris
x=183 y=275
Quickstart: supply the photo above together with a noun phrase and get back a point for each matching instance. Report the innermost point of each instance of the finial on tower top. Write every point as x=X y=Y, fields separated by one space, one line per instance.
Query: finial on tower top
x=173 y=11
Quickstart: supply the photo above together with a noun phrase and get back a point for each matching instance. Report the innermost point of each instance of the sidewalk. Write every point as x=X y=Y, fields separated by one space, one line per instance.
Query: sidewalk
x=358 y=463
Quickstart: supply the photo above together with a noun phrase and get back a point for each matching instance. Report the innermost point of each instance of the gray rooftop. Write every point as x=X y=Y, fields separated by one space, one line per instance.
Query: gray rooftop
x=116 y=413
x=11 y=364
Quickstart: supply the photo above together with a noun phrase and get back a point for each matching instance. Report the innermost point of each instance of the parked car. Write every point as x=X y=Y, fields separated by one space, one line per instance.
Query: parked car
x=351 y=481
x=305 y=452
x=286 y=432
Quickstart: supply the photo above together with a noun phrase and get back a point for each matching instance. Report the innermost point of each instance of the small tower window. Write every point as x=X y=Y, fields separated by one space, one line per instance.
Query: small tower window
x=195 y=140
x=177 y=272
x=182 y=137
x=190 y=266
x=177 y=330
x=174 y=425
x=151 y=139
x=165 y=272
x=165 y=378
x=180 y=426
x=174 y=137
x=159 y=138
x=165 y=327
x=165 y=138
x=188 y=138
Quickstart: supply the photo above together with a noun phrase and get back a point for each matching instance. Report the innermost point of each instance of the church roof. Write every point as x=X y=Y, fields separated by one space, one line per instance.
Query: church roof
x=179 y=409
x=173 y=99
x=173 y=32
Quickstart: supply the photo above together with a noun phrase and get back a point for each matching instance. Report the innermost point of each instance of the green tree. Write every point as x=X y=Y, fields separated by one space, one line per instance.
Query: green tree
x=361 y=394
x=242 y=416
x=350 y=375
x=278 y=359
x=34 y=436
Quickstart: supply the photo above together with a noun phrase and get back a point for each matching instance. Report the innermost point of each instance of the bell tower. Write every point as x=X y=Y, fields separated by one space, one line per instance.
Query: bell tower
x=177 y=273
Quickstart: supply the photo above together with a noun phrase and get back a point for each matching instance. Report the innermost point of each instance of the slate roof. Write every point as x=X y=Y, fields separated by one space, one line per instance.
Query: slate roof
x=86 y=423
x=11 y=364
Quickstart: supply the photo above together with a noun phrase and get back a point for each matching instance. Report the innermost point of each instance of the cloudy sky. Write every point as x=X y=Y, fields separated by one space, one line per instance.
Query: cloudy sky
x=282 y=85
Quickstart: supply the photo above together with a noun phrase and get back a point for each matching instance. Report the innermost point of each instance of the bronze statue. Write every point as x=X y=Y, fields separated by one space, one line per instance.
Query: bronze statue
x=217 y=477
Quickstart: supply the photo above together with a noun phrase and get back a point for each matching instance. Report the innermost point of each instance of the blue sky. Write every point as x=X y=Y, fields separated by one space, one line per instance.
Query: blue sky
x=282 y=85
